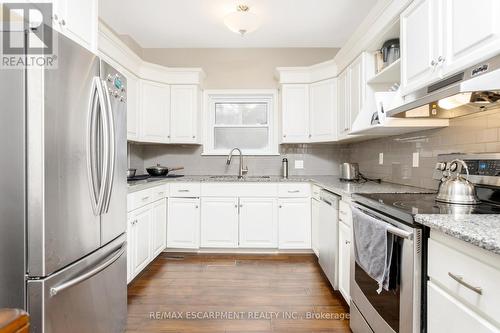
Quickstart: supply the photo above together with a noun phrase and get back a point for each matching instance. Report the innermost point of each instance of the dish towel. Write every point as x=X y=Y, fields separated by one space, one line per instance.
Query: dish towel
x=373 y=247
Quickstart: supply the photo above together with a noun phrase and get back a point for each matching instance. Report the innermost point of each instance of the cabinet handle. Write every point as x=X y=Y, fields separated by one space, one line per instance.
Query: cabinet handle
x=284 y=135
x=63 y=22
x=433 y=63
x=460 y=279
x=160 y=193
x=235 y=206
x=294 y=191
x=134 y=222
x=441 y=59
x=168 y=136
x=183 y=190
x=280 y=206
x=241 y=206
x=347 y=242
x=196 y=206
x=194 y=137
x=55 y=17
x=310 y=135
x=145 y=198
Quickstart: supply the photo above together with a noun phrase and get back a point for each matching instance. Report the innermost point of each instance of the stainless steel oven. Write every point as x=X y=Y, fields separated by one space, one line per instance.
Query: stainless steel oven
x=399 y=308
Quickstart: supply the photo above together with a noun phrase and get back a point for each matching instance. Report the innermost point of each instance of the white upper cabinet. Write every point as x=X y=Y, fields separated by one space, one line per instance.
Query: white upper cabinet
x=471 y=32
x=155 y=112
x=184 y=113
x=323 y=111
x=442 y=37
x=420 y=44
x=357 y=86
x=343 y=103
x=258 y=223
x=219 y=222
x=133 y=106
x=295 y=113
x=294 y=223
x=77 y=19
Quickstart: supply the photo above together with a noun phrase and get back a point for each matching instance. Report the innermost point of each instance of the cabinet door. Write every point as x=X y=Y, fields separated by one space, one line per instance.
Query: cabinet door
x=130 y=247
x=471 y=33
x=295 y=113
x=258 y=223
x=132 y=106
x=183 y=223
x=344 y=260
x=315 y=226
x=142 y=238
x=421 y=41
x=448 y=315
x=77 y=19
x=219 y=222
x=323 y=111
x=343 y=111
x=357 y=88
x=294 y=223
x=155 y=112
x=158 y=227
x=183 y=113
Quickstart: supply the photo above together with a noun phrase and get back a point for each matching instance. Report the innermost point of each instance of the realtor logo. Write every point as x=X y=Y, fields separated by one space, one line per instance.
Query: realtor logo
x=27 y=35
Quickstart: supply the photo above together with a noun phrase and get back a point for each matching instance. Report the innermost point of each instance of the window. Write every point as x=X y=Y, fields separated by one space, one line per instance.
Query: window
x=243 y=119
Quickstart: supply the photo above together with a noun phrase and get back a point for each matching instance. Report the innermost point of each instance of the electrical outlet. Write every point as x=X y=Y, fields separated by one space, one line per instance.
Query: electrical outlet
x=416 y=157
x=299 y=164
x=381 y=158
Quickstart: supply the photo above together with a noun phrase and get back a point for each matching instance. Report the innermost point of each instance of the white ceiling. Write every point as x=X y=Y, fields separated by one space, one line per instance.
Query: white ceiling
x=199 y=23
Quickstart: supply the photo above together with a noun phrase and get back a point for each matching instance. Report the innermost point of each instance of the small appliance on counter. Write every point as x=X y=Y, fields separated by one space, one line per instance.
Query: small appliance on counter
x=349 y=171
x=469 y=184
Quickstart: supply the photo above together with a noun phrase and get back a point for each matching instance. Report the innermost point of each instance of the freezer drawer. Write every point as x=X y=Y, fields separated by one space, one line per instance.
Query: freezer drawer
x=88 y=296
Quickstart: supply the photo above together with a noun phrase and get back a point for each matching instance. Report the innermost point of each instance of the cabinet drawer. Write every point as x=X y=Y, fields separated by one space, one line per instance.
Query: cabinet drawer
x=446 y=264
x=139 y=199
x=239 y=190
x=315 y=191
x=185 y=190
x=294 y=190
x=159 y=192
x=345 y=213
x=448 y=315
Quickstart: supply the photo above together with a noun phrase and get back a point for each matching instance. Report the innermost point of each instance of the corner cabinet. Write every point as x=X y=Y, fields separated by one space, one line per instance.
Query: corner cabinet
x=440 y=38
x=78 y=20
x=295 y=113
x=343 y=103
x=323 y=111
x=155 y=112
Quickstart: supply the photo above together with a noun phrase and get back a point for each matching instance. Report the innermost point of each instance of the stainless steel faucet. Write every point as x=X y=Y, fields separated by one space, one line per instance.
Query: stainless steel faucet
x=242 y=169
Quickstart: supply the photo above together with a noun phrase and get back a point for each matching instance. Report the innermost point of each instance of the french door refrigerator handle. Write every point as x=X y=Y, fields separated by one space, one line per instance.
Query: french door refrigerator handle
x=87 y=275
x=92 y=147
x=110 y=140
x=105 y=144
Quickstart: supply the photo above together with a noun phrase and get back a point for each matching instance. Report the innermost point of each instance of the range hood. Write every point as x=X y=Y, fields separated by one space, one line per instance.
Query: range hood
x=474 y=90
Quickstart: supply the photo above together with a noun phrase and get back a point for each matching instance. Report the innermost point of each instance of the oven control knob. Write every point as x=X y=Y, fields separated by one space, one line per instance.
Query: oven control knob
x=453 y=166
x=441 y=166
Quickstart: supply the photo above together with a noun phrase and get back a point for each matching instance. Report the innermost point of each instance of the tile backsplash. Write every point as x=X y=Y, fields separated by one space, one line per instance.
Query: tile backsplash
x=476 y=133
x=319 y=159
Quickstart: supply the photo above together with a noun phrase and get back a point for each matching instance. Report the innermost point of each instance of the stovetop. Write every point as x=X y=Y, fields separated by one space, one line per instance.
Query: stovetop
x=152 y=178
x=406 y=205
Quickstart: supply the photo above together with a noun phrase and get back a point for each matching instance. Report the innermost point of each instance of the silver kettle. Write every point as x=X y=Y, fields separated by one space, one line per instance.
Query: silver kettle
x=456 y=189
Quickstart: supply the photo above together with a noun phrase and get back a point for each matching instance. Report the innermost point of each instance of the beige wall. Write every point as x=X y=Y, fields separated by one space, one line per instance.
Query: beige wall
x=239 y=68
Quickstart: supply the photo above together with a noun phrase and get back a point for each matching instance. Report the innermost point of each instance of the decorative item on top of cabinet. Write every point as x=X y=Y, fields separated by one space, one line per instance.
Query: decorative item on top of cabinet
x=440 y=38
x=77 y=19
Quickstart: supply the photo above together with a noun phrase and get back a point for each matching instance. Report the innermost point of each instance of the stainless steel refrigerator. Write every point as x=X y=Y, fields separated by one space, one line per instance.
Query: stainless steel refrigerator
x=63 y=193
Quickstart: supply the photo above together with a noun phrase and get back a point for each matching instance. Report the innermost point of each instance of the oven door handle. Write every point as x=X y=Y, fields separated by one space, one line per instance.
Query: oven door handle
x=390 y=228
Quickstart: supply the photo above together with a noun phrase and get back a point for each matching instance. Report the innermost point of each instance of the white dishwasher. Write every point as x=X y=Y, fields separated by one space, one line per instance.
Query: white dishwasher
x=328 y=235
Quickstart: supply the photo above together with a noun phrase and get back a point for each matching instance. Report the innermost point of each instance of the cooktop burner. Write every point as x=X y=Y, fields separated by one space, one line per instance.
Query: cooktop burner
x=406 y=205
x=149 y=177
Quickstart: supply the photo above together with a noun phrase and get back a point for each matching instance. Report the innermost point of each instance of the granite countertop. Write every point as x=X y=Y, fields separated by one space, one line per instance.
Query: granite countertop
x=331 y=183
x=477 y=229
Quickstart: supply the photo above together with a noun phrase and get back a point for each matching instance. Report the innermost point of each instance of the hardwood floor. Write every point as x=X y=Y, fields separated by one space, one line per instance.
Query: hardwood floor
x=255 y=293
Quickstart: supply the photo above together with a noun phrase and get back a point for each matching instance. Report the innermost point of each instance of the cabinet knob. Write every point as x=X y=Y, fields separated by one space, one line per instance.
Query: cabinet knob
x=433 y=63
x=235 y=206
x=347 y=242
x=196 y=206
x=63 y=22
x=284 y=135
x=441 y=59
x=194 y=136
x=168 y=136
x=280 y=206
x=310 y=135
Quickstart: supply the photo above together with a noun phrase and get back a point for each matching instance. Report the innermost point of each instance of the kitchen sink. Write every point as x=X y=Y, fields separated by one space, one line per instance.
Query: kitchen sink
x=235 y=178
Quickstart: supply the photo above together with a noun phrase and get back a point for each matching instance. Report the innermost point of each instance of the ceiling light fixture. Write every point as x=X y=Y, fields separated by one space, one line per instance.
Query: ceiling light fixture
x=242 y=21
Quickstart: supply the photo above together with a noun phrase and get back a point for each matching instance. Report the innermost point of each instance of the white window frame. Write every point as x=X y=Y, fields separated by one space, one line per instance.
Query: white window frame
x=211 y=97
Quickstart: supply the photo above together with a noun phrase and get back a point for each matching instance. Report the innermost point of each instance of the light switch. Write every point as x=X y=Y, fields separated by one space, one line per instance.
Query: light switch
x=299 y=164
x=416 y=157
x=381 y=158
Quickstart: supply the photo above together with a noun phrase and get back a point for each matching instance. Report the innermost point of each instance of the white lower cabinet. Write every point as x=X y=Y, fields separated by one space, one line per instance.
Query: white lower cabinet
x=183 y=228
x=315 y=225
x=219 y=222
x=159 y=226
x=140 y=231
x=344 y=260
x=294 y=223
x=448 y=315
x=258 y=223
